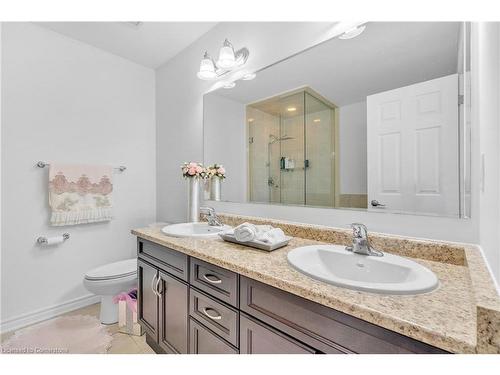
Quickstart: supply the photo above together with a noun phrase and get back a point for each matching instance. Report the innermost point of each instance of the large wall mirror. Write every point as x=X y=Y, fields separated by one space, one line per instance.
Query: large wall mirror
x=376 y=122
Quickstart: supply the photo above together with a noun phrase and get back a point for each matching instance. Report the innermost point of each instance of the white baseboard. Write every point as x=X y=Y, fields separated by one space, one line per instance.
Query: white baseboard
x=47 y=313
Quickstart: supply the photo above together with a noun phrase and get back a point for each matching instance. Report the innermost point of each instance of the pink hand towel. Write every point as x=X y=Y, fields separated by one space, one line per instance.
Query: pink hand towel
x=80 y=194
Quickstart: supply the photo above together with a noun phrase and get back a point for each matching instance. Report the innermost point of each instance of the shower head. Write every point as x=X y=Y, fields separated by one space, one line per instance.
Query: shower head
x=274 y=139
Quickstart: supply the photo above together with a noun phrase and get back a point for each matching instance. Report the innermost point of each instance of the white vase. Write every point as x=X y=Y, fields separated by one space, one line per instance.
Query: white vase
x=193 y=199
x=215 y=188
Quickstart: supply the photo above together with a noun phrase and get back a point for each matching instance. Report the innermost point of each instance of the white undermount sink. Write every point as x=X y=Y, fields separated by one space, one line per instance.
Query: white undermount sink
x=194 y=230
x=389 y=274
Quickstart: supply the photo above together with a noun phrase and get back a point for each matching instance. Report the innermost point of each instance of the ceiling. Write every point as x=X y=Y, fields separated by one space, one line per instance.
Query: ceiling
x=386 y=56
x=150 y=43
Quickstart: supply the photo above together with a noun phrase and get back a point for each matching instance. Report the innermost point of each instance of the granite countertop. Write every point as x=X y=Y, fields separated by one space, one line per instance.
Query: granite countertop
x=461 y=316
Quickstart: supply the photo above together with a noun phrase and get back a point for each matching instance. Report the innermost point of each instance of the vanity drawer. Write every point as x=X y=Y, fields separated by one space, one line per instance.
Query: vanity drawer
x=203 y=341
x=221 y=319
x=320 y=327
x=216 y=281
x=169 y=260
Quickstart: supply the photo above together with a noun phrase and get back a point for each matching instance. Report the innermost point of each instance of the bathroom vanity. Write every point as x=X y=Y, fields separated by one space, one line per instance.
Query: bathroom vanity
x=208 y=296
x=187 y=305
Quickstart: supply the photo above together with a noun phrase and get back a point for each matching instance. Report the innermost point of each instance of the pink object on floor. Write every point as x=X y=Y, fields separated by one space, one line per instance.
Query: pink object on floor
x=131 y=302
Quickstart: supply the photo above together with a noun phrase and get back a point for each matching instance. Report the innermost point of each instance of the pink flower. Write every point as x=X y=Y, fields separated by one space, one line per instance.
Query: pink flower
x=221 y=170
x=192 y=171
x=198 y=169
x=192 y=165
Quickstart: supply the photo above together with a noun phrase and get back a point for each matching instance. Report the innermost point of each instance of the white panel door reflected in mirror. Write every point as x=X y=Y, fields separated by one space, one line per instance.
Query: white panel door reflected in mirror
x=378 y=122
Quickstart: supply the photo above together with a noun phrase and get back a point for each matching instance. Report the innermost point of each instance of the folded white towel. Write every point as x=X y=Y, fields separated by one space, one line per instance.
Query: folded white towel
x=272 y=236
x=248 y=232
x=245 y=232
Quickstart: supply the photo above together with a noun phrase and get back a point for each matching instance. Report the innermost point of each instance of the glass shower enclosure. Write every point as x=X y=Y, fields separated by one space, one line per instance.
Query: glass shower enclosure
x=291 y=152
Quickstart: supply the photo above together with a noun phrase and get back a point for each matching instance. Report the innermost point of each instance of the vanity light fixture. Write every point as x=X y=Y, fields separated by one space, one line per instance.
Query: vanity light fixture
x=207 y=68
x=228 y=61
x=353 y=33
x=291 y=109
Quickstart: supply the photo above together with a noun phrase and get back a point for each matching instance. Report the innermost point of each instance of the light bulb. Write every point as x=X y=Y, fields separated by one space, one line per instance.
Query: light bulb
x=207 y=68
x=226 y=56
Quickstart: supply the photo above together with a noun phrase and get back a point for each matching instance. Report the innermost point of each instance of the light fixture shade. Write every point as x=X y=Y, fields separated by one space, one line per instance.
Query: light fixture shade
x=207 y=68
x=227 y=59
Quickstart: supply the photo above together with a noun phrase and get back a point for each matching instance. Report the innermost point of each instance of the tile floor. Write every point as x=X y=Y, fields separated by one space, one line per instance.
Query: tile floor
x=121 y=344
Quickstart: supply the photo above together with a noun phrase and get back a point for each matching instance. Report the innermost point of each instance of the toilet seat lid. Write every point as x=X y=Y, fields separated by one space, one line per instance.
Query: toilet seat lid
x=114 y=270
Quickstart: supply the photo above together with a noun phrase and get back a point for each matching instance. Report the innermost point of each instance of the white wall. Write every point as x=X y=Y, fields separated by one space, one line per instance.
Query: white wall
x=223 y=136
x=179 y=95
x=180 y=118
x=487 y=101
x=66 y=101
x=353 y=173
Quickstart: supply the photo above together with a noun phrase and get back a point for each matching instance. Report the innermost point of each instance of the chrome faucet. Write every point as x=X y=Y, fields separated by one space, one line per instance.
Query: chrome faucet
x=211 y=216
x=360 y=241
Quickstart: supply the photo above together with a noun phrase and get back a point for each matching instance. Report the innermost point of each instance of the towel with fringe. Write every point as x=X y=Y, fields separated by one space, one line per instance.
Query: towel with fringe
x=80 y=194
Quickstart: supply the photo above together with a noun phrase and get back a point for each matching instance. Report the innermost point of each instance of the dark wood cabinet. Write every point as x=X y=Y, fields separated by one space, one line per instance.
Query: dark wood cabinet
x=190 y=306
x=147 y=300
x=163 y=298
x=203 y=341
x=173 y=314
x=258 y=338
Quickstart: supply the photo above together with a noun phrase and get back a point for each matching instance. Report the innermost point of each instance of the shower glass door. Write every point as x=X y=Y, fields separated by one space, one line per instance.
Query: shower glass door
x=291 y=143
x=319 y=152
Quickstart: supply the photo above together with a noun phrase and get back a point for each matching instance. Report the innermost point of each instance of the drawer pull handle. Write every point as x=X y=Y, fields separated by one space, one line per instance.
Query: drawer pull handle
x=213 y=317
x=212 y=279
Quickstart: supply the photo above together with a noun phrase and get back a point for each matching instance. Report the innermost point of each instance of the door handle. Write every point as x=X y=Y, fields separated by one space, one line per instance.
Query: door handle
x=216 y=280
x=376 y=203
x=158 y=283
x=213 y=317
x=154 y=285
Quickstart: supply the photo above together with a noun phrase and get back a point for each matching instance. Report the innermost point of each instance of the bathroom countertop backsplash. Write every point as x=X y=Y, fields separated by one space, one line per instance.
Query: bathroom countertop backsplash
x=461 y=316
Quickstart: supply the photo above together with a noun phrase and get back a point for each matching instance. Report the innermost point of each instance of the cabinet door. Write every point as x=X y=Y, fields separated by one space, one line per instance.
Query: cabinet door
x=204 y=341
x=173 y=326
x=257 y=338
x=147 y=303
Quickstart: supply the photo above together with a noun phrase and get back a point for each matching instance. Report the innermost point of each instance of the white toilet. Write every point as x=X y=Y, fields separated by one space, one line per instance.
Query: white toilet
x=109 y=280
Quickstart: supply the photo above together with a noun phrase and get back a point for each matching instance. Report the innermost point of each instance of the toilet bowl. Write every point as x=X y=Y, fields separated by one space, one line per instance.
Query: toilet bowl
x=109 y=280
